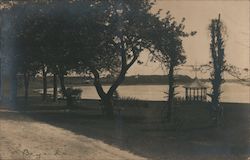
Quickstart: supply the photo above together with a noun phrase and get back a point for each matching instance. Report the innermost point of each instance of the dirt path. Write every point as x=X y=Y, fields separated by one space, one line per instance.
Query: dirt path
x=24 y=139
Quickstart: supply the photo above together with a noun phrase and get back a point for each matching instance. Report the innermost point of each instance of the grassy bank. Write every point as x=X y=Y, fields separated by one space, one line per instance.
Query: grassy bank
x=139 y=129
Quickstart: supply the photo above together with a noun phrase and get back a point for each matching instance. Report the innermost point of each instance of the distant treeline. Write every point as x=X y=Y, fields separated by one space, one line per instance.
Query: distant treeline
x=152 y=79
x=129 y=80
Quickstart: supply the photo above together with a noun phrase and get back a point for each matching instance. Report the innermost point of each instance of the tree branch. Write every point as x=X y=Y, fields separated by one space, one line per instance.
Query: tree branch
x=97 y=83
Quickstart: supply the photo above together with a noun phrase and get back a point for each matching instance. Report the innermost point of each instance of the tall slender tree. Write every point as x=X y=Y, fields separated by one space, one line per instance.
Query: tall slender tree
x=218 y=62
x=170 y=52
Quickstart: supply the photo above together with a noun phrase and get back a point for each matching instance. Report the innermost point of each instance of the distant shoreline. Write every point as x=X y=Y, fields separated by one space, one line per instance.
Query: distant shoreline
x=159 y=101
x=130 y=84
x=130 y=80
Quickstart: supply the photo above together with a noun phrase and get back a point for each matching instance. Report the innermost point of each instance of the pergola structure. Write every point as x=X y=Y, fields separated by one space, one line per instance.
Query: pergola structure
x=196 y=91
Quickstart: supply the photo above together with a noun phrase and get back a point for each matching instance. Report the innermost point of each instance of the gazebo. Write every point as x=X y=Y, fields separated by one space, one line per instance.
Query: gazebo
x=196 y=91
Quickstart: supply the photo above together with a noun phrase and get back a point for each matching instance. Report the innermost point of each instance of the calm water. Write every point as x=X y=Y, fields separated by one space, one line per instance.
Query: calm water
x=232 y=92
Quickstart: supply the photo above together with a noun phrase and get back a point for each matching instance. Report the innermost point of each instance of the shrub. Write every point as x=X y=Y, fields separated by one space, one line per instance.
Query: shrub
x=72 y=95
x=131 y=101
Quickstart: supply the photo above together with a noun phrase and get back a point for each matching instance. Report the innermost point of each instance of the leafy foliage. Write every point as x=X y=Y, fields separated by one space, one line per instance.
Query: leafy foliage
x=98 y=37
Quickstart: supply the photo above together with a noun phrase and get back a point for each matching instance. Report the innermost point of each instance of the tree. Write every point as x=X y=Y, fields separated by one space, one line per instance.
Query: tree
x=31 y=58
x=218 y=62
x=28 y=68
x=21 y=60
x=170 y=51
x=46 y=36
x=99 y=37
x=122 y=27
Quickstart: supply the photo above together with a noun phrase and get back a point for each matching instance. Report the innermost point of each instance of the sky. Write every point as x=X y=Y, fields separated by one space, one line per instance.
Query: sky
x=235 y=14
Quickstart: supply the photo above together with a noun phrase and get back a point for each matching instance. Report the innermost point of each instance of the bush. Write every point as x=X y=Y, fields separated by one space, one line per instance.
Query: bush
x=132 y=102
x=72 y=95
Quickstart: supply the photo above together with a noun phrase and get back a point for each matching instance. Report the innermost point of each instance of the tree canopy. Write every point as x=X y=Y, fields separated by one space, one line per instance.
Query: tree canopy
x=94 y=36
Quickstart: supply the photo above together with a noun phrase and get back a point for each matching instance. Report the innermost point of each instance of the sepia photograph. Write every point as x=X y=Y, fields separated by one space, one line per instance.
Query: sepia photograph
x=124 y=79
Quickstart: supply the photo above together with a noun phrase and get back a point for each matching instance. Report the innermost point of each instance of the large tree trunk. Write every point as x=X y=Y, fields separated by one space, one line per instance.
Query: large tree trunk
x=170 y=92
x=44 y=83
x=55 y=87
x=108 y=106
x=26 y=85
x=106 y=98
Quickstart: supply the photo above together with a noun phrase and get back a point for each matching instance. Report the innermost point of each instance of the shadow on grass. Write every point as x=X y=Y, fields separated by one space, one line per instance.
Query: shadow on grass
x=145 y=135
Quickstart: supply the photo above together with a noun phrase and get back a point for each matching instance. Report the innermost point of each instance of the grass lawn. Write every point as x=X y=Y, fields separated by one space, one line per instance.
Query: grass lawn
x=139 y=130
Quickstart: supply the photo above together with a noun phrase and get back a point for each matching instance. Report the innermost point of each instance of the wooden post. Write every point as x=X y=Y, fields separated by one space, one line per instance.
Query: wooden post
x=194 y=94
x=190 y=94
x=197 y=94
x=186 y=94
x=205 y=94
x=201 y=94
